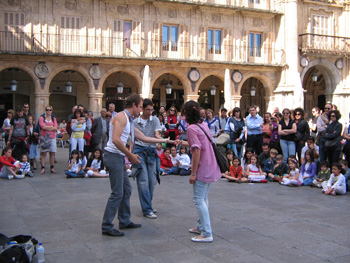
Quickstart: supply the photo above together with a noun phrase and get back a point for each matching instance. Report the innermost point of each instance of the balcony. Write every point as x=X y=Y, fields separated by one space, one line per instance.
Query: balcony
x=323 y=44
x=113 y=47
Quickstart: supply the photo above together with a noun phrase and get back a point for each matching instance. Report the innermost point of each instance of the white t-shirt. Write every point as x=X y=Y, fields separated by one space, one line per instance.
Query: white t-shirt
x=75 y=166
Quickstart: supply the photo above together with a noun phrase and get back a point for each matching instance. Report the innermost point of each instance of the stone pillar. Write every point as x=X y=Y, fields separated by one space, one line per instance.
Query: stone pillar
x=41 y=101
x=235 y=101
x=95 y=103
x=188 y=97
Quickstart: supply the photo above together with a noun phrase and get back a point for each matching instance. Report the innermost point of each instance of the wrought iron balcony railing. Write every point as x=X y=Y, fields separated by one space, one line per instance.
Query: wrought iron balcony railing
x=78 y=45
x=314 y=43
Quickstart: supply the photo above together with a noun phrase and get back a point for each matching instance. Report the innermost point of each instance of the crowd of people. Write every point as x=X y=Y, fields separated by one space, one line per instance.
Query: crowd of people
x=285 y=147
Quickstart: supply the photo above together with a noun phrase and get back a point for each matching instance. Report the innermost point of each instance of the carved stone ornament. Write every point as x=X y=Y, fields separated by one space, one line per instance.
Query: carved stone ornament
x=71 y=4
x=96 y=72
x=172 y=13
x=123 y=9
x=41 y=71
x=216 y=18
x=14 y=2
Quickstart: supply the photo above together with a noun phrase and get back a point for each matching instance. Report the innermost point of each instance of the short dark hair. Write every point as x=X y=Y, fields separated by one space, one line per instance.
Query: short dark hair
x=336 y=113
x=147 y=102
x=324 y=163
x=236 y=109
x=345 y=162
x=223 y=109
x=78 y=111
x=132 y=99
x=310 y=138
x=265 y=144
x=191 y=111
x=19 y=108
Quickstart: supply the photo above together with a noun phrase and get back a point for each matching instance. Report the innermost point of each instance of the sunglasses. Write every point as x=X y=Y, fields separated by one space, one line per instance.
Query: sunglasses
x=26 y=107
x=9 y=112
x=327 y=108
x=285 y=113
x=48 y=109
x=333 y=116
x=297 y=114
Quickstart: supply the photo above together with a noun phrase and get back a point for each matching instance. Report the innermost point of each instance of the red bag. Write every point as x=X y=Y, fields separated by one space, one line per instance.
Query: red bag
x=87 y=137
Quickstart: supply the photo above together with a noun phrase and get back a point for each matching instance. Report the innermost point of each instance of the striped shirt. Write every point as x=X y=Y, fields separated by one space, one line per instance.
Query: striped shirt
x=147 y=127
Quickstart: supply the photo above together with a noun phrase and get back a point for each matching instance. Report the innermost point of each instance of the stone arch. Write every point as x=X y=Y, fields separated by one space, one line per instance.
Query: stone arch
x=134 y=74
x=81 y=70
x=329 y=71
x=174 y=72
x=217 y=73
x=26 y=69
x=264 y=80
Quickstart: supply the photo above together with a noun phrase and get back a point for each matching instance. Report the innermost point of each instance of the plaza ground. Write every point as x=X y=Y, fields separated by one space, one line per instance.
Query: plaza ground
x=251 y=223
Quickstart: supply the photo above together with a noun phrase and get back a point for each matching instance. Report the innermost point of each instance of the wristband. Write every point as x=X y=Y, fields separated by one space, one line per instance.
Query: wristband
x=193 y=173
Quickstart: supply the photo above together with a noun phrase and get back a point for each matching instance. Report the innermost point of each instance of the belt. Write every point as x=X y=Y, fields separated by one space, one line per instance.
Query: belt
x=255 y=135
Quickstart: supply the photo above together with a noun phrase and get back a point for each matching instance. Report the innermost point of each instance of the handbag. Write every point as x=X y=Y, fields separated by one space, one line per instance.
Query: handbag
x=297 y=136
x=219 y=155
x=87 y=137
x=45 y=141
x=330 y=144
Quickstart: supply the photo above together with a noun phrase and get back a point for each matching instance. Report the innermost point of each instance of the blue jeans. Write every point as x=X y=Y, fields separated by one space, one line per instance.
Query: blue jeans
x=308 y=181
x=184 y=171
x=75 y=175
x=119 y=200
x=235 y=151
x=200 y=199
x=288 y=148
x=146 y=180
x=172 y=170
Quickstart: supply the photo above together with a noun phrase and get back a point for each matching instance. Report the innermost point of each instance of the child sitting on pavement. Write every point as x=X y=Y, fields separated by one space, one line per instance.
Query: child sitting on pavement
x=322 y=176
x=235 y=172
x=270 y=162
x=336 y=184
x=74 y=166
x=95 y=166
x=279 y=170
x=294 y=177
x=344 y=165
x=25 y=166
x=8 y=165
x=255 y=174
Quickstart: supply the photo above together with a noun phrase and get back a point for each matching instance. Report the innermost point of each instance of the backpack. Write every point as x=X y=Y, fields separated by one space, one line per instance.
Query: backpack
x=20 y=251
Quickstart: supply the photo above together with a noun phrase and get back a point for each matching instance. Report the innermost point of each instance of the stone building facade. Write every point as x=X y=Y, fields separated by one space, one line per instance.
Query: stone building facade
x=262 y=52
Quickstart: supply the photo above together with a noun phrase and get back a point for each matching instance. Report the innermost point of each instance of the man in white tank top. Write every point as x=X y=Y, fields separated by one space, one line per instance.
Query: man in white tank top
x=121 y=126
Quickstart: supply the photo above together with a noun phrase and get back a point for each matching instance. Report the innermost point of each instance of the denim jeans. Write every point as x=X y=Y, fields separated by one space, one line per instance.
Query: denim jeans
x=308 y=181
x=119 y=200
x=172 y=170
x=235 y=151
x=288 y=148
x=146 y=180
x=75 y=175
x=184 y=171
x=200 y=199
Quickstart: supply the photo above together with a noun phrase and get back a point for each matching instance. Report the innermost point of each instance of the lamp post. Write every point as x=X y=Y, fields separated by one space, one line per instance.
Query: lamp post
x=252 y=91
x=314 y=76
x=13 y=85
x=120 y=85
x=168 y=87
x=212 y=90
x=68 y=84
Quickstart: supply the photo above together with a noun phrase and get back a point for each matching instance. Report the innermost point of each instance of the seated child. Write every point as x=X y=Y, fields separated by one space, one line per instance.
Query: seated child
x=159 y=149
x=336 y=184
x=309 y=167
x=235 y=172
x=345 y=166
x=322 y=176
x=246 y=160
x=83 y=160
x=175 y=159
x=270 y=163
x=255 y=174
x=229 y=156
x=128 y=165
x=74 y=166
x=166 y=166
x=94 y=166
x=8 y=165
x=294 y=177
x=184 y=161
x=25 y=166
x=279 y=170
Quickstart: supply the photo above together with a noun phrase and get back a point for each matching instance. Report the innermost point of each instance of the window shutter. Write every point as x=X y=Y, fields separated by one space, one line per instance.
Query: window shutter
x=184 y=42
x=227 y=44
x=157 y=39
x=202 y=42
x=245 y=46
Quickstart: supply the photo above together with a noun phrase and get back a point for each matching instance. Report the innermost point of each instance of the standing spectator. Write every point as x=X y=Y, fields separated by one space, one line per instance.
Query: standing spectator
x=322 y=123
x=236 y=128
x=205 y=170
x=69 y=119
x=33 y=141
x=286 y=129
x=346 y=136
x=254 y=125
x=203 y=114
x=99 y=131
x=303 y=131
x=171 y=124
x=87 y=133
x=78 y=126
x=222 y=119
x=310 y=145
x=266 y=129
x=6 y=126
x=63 y=126
x=162 y=124
x=275 y=137
x=213 y=124
x=333 y=132
x=313 y=127
x=161 y=110
x=18 y=134
x=26 y=111
x=48 y=125
x=111 y=109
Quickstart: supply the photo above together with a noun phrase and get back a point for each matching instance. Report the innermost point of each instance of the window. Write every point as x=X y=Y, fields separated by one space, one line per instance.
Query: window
x=256 y=1
x=320 y=25
x=255 y=44
x=127 y=34
x=170 y=36
x=70 y=22
x=214 y=41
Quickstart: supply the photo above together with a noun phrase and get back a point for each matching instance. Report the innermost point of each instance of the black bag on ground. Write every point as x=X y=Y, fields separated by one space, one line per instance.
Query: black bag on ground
x=219 y=155
x=21 y=251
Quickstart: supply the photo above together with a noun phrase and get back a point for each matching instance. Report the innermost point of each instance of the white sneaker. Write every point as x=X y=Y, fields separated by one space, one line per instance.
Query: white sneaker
x=19 y=176
x=206 y=239
x=151 y=215
x=10 y=177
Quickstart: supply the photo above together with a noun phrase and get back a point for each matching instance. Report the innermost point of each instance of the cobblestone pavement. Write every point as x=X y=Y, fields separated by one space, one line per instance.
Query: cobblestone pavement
x=251 y=223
